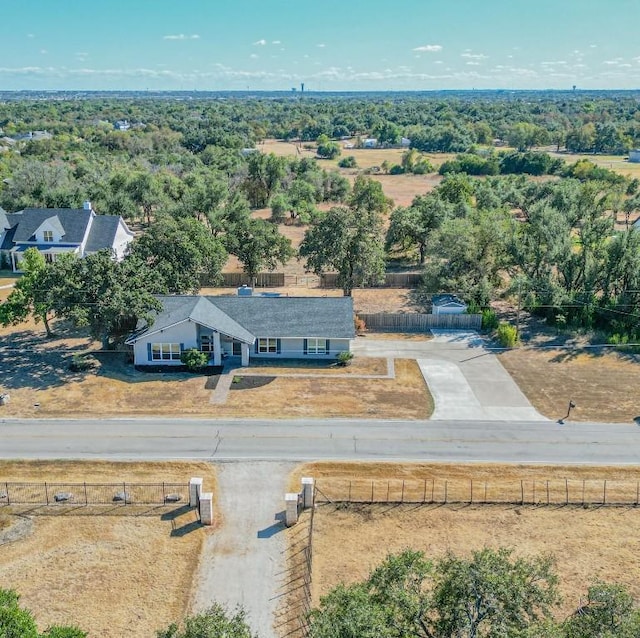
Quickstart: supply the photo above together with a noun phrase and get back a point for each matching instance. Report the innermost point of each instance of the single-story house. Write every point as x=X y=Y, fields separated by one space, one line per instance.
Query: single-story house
x=447 y=305
x=369 y=142
x=245 y=326
x=55 y=231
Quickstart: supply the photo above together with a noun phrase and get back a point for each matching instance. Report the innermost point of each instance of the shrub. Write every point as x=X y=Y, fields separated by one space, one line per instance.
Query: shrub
x=348 y=162
x=194 y=359
x=396 y=169
x=329 y=150
x=344 y=358
x=82 y=363
x=489 y=320
x=507 y=335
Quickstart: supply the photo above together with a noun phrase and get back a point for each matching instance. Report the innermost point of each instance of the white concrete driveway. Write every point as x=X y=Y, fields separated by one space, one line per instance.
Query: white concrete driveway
x=467 y=381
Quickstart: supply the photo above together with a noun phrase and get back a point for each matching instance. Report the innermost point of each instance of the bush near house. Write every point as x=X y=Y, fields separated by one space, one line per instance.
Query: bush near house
x=507 y=335
x=194 y=359
x=344 y=358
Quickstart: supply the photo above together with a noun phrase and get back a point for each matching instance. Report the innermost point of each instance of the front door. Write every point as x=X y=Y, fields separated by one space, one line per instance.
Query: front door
x=237 y=349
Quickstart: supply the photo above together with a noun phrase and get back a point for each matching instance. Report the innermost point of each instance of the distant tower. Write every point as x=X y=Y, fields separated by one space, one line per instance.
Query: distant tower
x=302 y=87
x=574 y=87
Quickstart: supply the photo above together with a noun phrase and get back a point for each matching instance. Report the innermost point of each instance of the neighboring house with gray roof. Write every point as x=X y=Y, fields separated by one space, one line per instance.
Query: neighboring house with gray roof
x=55 y=231
x=245 y=326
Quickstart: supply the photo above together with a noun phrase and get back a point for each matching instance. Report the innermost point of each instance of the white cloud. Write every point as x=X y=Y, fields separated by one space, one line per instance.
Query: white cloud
x=474 y=56
x=254 y=56
x=614 y=62
x=44 y=51
x=181 y=36
x=438 y=62
x=30 y=35
x=322 y=45
x=473 y=63
x=259 y=43
x=429 y=48
x=276 y=42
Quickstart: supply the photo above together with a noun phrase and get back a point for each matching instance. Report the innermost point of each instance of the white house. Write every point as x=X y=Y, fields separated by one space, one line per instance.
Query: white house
x=245 y=326
x=369 y=142
x=447 y=305
x=55 y=231
x=634 y=155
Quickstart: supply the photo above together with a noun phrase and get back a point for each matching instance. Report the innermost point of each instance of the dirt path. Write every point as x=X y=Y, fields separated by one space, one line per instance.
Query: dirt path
x=244 y=561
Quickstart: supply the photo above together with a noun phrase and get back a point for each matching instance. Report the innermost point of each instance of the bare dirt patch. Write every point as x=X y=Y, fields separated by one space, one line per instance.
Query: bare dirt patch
x=114 y=576
x=600 y=382
x=589 y=543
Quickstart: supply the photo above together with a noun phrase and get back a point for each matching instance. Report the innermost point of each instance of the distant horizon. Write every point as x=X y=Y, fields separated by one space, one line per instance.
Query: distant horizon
x=352 y=46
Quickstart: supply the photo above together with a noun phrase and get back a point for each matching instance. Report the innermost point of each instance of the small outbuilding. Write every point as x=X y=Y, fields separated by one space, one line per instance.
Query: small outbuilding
x=634 y=155
x=447 y=305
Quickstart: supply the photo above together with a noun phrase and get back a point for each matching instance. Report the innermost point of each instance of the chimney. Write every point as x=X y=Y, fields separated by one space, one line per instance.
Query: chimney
x=86 y=205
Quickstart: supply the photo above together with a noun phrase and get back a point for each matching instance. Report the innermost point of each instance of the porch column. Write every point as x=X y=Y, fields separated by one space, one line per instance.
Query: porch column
x=217 y=349
x=245 y=354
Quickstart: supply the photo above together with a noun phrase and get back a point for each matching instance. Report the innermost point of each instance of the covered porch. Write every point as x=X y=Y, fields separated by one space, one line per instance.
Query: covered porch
x=222 y=346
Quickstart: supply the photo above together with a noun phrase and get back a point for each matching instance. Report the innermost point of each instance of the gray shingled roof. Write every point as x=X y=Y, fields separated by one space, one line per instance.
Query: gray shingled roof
x=329 y=317
x=246 y=318
x=102 y=232
x=74 y=221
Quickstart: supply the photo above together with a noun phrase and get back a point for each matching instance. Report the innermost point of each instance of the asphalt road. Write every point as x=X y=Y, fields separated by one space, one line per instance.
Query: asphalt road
x=302 y=440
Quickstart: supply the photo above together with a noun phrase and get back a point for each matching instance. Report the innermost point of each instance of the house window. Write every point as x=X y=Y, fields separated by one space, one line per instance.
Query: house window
x=266 y=345
x=316 y=346
x=47 y=235
x=165 y=352
x=206 y=343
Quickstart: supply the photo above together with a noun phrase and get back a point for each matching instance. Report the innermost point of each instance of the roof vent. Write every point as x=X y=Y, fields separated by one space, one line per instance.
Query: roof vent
x=245 y=291
x=86 y=205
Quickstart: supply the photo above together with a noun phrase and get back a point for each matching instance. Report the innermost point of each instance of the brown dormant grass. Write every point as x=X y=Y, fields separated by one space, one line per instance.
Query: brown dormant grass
x=600 y=383
x=111 y=575
x=588 y=544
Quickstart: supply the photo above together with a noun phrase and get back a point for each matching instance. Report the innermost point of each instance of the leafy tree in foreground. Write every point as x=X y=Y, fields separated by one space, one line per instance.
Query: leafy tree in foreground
x=29 y=295
x=489 y=594
x=215 y=622
x=16 y=622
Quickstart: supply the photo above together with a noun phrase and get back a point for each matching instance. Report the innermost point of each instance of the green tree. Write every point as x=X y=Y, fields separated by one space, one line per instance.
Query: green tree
x=489 y=594
x=181 y=252
x=107 y=297
x=30 y=295
x=329 y=150
x=264 y=176
x=347 y=241
x=411 y=227
x=215 y=622
x=257 y=244
x=146 y=192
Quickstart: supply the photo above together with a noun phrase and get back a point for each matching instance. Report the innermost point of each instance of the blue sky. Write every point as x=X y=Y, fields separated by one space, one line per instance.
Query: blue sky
x=327 y=44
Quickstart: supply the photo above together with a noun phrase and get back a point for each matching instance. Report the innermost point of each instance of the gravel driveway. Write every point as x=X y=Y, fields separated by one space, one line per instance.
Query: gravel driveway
x=243 y=561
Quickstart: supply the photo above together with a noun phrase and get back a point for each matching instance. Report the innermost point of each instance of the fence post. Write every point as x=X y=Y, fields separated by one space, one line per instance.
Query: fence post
x=637 y=492
x=124 y=493
x=349 y=499
x=583 y=482
x=372 y=491
x=566 y=491
x=6 y=487
x=424 y=494
x=46 y=492
x=533 y=495
x=86 y=500
x=521 y=492
x=471 y=491
x=402 y=497
x=433 y=487
x=485 y=492
x=445 y=491
x=604 y=493
x=547 y=492
x=388 y=490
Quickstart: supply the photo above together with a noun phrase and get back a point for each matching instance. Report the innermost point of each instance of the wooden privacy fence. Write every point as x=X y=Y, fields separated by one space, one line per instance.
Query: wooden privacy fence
x=409 y=322
x=93 y=493
x=391 y=280
x=512 y=492
x=235 y=279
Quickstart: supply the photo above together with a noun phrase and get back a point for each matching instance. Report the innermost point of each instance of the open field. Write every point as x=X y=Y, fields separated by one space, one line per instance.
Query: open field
x=111 y=575
x=588 y=544
x=616 y=163
x=599 y=381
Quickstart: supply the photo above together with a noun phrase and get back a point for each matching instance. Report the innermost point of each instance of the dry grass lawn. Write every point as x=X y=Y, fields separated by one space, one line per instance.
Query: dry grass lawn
x=405 y=397
x=358 y=366
x=588 y=544
x=112 y=575
x=600 y=383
